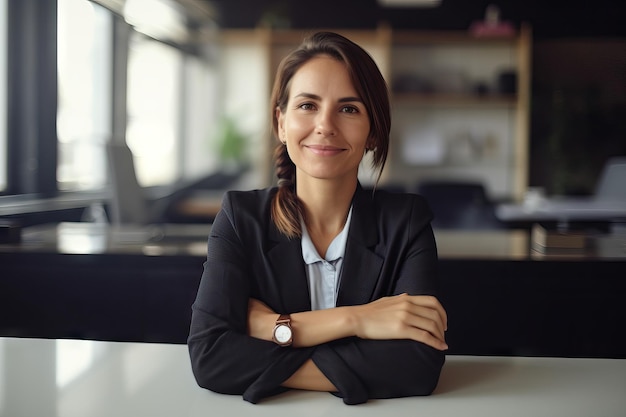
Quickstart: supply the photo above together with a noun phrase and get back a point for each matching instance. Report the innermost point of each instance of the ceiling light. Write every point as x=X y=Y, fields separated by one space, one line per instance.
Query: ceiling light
x=409 y=3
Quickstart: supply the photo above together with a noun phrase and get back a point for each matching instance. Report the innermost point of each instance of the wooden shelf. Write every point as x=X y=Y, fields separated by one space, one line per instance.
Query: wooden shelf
x=454 y=100
x=412 y=38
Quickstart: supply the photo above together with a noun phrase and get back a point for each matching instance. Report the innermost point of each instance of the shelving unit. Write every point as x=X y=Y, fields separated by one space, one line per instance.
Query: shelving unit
x=450 y=118
x=453 y=118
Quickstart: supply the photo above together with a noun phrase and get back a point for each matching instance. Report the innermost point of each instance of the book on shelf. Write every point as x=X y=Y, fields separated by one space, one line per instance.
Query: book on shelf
x=543 y=238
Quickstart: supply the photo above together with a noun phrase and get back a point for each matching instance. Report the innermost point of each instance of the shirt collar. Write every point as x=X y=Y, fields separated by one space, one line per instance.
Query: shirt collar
x=336 y=249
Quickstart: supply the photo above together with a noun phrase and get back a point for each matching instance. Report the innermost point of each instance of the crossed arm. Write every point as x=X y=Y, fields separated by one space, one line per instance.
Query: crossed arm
x=418 y=318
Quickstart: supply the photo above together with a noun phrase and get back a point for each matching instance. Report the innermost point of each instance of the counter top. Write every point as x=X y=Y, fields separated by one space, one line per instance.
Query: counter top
x=66 y=378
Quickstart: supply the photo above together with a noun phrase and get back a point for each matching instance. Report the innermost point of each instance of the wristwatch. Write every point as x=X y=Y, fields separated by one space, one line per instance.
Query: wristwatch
x=283 y=335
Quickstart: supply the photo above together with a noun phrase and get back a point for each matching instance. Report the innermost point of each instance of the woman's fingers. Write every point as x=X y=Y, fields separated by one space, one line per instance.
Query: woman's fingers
x=416 y=317
x=426 y=327
x=427 y=338
x=432 y=302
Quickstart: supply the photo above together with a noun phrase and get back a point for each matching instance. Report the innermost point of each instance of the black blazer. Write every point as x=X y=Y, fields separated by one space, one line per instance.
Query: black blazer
x=390 y=250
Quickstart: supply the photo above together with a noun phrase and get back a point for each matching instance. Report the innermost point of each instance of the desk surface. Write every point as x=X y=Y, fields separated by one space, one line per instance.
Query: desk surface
x=564 y=209
x=191 y=240
x=66 y=378
x=101 y=238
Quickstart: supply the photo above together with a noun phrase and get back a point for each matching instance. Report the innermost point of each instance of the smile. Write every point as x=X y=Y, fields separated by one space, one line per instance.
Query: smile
x=324 y=150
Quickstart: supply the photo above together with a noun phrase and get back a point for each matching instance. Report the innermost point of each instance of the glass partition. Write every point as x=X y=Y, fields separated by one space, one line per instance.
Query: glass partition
x=84 y=76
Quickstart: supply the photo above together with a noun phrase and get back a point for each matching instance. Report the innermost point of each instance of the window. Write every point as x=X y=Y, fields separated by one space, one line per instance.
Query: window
x=163 y=85
x=100 y=75
x=153 y=130
x=3 y=97
x=84 y=117
x=201 y=118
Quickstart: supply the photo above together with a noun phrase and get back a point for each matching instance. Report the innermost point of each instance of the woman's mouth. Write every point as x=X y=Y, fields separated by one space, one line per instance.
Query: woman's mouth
x=323 y=150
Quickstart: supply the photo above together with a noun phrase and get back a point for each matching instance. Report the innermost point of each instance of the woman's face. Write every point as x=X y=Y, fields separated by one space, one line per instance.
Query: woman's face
x=325 y=124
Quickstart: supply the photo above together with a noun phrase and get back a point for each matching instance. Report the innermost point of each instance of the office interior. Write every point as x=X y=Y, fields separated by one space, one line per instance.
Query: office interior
x=120 y=135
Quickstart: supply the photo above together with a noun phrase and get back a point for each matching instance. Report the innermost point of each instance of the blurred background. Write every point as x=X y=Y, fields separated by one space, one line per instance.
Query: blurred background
x=513 y=96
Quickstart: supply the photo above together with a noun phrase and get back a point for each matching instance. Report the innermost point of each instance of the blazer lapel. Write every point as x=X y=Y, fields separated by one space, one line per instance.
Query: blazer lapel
x=362 y=266
x=286 y=262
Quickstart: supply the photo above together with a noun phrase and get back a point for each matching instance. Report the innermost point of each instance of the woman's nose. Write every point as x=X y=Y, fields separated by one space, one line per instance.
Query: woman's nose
x=325 y=125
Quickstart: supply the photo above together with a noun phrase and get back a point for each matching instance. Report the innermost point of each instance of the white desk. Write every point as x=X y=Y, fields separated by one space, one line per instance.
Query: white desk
x=66 y=378
x=564 y=209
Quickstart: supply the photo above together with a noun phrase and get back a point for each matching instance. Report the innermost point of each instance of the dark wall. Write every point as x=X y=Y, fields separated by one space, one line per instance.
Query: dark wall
x=549 y=18
x=578 y=112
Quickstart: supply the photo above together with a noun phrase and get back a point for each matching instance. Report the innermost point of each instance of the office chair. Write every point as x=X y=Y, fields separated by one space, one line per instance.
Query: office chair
x=611 y=184
x=459 y=205
x=128 y=204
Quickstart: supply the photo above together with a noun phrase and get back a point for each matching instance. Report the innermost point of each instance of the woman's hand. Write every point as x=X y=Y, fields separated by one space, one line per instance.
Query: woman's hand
x=261 y=319
x=417 y=317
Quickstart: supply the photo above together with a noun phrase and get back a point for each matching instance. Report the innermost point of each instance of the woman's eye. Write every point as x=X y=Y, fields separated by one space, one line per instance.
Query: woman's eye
x=306 y=106
x=349 y=109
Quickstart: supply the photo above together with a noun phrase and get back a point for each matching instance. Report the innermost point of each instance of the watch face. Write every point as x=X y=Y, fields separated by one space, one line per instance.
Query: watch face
x=282 y=334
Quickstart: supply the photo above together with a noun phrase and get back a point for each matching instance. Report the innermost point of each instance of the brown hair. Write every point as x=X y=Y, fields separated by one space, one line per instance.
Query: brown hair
x=372 y=89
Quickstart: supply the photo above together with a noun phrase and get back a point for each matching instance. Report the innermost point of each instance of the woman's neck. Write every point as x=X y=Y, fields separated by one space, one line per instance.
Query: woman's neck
x=326 y=204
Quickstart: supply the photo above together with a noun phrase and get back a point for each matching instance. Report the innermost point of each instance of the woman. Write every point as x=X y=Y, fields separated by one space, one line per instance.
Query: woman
x=318 y=284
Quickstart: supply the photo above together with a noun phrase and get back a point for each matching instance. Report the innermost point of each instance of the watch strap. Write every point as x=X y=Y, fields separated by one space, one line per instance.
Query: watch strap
x=284 y=319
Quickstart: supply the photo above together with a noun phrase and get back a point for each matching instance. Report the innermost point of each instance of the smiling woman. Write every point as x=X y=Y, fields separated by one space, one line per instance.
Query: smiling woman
x=325 y=126
x=362 y=82
x=318 y=284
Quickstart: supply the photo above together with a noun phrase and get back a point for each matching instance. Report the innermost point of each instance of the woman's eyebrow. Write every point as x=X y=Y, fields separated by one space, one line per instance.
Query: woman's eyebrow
x=308 y=95
x=318 y=98
x=350 y=99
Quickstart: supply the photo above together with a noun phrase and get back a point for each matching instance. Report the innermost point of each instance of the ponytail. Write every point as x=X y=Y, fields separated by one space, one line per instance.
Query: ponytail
x=286 y=208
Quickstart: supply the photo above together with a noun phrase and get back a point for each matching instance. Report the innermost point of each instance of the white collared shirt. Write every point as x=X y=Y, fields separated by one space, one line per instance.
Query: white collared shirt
x=324 y=274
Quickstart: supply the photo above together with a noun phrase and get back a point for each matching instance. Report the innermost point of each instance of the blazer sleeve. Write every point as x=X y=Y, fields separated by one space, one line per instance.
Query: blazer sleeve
x=365 y=369
x=224 y=358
